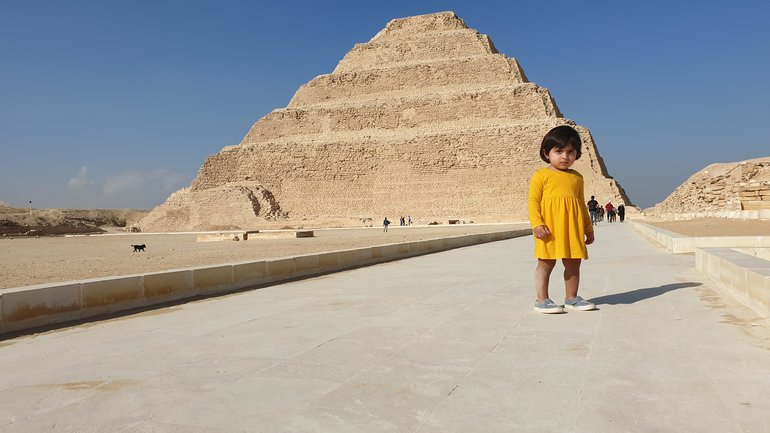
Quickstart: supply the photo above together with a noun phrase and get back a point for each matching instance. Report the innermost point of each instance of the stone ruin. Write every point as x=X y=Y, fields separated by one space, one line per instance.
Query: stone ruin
x=722 y=187
x=426 y=119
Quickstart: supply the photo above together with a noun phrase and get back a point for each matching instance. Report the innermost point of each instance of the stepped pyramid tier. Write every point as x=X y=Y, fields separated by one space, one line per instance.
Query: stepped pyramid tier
x=728 y=186
x=426 y=119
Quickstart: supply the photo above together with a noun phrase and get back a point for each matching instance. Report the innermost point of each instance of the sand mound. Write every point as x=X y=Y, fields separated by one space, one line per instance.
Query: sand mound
x=46 y=222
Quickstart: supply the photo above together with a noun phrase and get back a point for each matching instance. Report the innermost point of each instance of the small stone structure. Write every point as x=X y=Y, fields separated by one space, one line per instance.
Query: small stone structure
x=254 y=234
x=734 y=186
x=217 y=237
x=283 y=234
x=426 y=118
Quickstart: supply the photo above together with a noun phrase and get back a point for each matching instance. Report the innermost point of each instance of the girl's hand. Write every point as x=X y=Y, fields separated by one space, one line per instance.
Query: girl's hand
x=541 y=232
x=589 y=238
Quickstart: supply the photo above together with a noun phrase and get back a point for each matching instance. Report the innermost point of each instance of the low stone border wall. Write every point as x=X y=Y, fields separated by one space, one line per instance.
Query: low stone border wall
x=735 y=214
x=682 y=244
x=29 y=307
x=762 y=253
x=746 y=277
x=673 y=242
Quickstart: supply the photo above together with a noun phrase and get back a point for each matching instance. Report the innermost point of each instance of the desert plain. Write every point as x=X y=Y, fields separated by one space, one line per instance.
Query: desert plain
x=26 y=261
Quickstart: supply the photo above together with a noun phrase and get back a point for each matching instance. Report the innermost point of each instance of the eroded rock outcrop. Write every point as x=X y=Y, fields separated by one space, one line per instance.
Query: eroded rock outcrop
x=426 y=119
x=731 y=186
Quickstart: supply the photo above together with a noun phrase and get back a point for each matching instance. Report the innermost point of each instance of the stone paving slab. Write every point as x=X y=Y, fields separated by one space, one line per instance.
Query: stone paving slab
x=441 y=343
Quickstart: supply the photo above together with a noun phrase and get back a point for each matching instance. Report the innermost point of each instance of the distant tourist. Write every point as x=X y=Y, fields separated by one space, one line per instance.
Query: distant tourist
x=592 y=206
x=610 y=212
x=560 y=222
x=622 y=212
x=402 y=221
x=385 y=224
x=409 y=219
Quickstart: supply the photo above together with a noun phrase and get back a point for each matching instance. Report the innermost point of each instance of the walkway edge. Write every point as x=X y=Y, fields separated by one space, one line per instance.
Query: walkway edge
x=44 y=305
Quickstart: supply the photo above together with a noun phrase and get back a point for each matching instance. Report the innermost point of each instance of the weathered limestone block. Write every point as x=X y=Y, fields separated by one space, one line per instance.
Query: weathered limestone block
x=498 y=105
x=753 y=188
x=412 y=39
x=389 y=82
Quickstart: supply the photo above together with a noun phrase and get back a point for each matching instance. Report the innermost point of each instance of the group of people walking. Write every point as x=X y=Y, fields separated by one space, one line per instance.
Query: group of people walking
x=598 y=212
x=403 y=221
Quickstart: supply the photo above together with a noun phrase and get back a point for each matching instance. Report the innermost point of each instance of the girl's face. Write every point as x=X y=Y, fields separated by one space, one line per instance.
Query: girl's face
x=562 y=158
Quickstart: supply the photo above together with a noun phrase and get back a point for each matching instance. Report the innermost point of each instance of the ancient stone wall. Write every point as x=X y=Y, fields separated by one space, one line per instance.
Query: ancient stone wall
x=229 y=206
x=426 y=119
x=754 y=189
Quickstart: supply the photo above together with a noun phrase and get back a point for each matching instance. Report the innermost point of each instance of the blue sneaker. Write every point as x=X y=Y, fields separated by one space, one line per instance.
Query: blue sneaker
x=548 y=307
x=578 y=304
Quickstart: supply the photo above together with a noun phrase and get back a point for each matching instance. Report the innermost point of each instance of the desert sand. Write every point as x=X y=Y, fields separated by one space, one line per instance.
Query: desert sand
x=716 y=227
x=28 y=261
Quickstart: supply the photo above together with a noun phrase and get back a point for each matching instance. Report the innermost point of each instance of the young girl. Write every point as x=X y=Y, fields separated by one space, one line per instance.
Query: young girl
x=560 y=221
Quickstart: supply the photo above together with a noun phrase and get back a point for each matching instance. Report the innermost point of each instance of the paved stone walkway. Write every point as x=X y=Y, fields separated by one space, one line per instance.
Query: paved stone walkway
x=440 y=343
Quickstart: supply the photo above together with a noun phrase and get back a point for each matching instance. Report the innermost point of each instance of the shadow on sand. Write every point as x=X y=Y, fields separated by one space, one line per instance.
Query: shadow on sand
x=640 y=294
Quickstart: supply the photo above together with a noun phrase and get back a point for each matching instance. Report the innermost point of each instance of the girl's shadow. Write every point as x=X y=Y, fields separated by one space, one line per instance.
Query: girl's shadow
x=640 y=294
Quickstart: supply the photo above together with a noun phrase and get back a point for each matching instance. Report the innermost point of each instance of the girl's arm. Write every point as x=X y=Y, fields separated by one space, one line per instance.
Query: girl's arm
x=533 y=202
x=588 y=228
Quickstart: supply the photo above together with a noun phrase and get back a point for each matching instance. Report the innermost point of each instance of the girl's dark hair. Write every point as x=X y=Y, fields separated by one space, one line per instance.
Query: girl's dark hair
x=560 y=137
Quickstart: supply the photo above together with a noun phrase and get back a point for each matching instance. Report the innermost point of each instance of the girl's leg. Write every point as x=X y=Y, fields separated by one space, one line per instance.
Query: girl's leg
x=542 y=275
x=571 y=276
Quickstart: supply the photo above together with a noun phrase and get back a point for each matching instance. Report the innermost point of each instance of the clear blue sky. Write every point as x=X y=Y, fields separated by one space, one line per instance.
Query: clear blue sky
x=117 y=104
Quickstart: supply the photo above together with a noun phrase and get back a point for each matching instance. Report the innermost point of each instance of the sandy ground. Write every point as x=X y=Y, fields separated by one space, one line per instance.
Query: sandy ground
x=716 y=227
x=29 y=261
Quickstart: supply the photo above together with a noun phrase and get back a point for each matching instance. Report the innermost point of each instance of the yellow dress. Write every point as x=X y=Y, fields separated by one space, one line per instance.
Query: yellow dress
x=556 y=201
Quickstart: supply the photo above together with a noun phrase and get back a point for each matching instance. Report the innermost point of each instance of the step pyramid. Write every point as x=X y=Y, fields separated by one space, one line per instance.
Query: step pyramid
x=426 y=119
